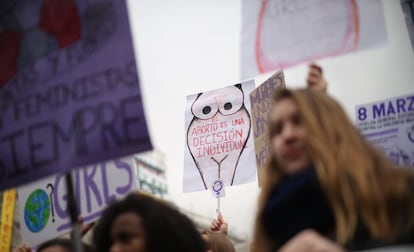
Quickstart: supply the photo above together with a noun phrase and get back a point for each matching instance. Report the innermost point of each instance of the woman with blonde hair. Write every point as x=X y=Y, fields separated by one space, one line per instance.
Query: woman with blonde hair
x=325 y=187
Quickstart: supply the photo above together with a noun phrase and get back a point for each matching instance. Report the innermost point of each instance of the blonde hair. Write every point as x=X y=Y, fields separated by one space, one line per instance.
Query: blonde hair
x=360 y=183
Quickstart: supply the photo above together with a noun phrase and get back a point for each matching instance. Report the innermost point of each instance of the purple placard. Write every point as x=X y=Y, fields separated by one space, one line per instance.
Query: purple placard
x=389 y=125
x=69 y=88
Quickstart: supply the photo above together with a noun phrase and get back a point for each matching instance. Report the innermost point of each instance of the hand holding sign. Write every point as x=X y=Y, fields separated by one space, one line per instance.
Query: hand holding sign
x=23 y=248
x=219 y=224
x=315 y=78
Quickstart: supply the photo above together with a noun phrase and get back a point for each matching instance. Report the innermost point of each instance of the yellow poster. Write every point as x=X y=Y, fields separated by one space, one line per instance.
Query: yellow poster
x=7 y=213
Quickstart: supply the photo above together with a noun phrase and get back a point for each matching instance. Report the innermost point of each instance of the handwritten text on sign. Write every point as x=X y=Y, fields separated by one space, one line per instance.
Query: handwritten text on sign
x=218 y=134
x=218 y=137
x=43 y=204
x=75 y=103
x=261 y=102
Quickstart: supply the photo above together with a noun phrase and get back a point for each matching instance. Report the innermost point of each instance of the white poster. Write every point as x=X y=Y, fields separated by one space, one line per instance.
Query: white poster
x=151 y=173
x=389 y=124
x=43 y=204
x=278 y=34
x=219 y=140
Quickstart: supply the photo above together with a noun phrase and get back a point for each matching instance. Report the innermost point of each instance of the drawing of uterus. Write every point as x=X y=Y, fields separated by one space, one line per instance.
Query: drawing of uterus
x=217 y=133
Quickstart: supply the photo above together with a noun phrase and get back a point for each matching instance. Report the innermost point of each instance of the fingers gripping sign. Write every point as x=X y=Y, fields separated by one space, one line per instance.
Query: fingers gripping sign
x=315 y=78
x=219 y=224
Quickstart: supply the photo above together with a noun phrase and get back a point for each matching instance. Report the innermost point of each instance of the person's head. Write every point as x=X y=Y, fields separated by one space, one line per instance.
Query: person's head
x=304 y=127
x=217 y=242
x=139 y=223
x=288 y=136
x=307 y=128
x=61 y=245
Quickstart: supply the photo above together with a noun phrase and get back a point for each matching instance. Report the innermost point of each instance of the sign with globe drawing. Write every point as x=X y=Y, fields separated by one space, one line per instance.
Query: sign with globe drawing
x=43 y=204
x=37 y=210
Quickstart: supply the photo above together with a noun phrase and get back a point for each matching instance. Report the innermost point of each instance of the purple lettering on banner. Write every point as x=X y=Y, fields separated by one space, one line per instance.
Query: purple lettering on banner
x=60 y=211
x=48 y=156
x=260 y=126
x=107 y=116
x=94 y=189
x=68 y=225
x=108 y=197
x=73 y=104
x=390 y=109
x=18 y=169
x=123 y=165
x=411 y=106
x=400 y=105
x=378 y=110
x=88 y=175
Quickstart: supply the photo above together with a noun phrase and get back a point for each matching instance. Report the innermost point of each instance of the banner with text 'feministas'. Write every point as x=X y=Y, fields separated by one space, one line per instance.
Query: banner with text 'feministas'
x=69 y=88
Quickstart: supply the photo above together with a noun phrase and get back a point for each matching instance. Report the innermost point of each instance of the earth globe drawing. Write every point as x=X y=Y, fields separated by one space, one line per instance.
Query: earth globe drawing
x=37 y=210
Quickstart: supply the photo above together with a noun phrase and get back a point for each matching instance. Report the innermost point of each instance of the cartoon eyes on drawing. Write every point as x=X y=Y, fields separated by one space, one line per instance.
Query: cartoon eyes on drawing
x=217 y=134
x=206 y=106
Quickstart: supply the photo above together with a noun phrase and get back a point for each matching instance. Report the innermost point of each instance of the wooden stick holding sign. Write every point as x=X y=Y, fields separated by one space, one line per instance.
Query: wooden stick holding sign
x=73 y=212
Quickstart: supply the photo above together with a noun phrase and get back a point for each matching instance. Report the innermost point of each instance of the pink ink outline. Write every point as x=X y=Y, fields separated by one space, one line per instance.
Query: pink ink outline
x=264 y=65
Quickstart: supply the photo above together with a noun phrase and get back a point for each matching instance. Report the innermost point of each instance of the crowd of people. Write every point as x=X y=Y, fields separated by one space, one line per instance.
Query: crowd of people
x=325 y=189
x=140 y=223
x=325 y=181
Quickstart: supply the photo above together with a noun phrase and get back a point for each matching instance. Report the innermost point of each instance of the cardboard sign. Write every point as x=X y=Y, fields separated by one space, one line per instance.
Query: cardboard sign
x=261 y=102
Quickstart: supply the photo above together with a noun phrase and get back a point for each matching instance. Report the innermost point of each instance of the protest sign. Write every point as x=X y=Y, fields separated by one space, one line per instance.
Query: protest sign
x=151 y=173
x=7 y=216
x=389 y=124
x=43 y=205
x=219 y=143
x=261 y=102
x=69 y=89
x=277 y=34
